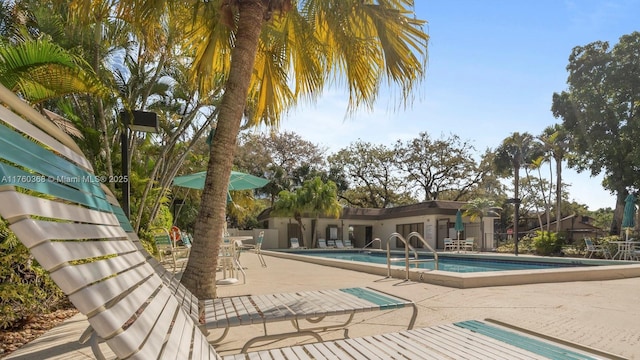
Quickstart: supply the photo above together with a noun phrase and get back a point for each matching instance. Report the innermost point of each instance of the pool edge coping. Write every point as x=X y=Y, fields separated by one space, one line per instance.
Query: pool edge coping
x=479 y=279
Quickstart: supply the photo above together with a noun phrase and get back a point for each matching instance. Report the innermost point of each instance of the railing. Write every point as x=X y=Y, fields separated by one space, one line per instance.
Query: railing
x=426 y=244
x=371 y=242
x=407 y=247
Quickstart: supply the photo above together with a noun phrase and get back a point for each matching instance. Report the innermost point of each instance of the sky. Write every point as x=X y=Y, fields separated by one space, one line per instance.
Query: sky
x=492 y=70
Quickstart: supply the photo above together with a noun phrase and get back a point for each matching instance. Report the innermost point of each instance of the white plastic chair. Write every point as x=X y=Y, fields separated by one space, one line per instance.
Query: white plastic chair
x=596 y=249
x=449 y=245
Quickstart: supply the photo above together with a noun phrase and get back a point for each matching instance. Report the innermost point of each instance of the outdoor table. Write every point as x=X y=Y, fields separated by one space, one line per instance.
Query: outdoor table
x=458 y=244
x=625 y=249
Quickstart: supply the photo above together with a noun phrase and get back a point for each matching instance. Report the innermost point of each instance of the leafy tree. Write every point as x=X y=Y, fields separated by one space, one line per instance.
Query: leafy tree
x=600 y=111
x=602 y=217
x=479 y=208
x=285 y=158
x=438 y=166
x=373 y=175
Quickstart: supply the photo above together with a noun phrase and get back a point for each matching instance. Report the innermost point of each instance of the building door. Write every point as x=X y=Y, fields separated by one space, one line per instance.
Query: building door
x=293 y=231
x=442 y=232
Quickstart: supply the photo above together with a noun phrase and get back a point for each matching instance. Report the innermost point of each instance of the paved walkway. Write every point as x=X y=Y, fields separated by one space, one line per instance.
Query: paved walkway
x=600 y=314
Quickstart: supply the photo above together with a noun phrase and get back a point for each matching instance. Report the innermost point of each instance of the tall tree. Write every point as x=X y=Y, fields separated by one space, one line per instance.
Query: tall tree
x=600 y=109
x=556 y=142
x=437 y=166
x=270 y=54
x=275 y=43
x=373 y=175
x=516 y=151
x=285 y=158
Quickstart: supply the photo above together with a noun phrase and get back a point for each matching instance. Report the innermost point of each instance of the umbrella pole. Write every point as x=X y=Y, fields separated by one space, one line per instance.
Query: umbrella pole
x=175 y=218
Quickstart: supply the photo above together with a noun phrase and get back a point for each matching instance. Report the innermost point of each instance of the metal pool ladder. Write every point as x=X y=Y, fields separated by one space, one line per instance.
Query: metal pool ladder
x=364 y=248
x=407 y=247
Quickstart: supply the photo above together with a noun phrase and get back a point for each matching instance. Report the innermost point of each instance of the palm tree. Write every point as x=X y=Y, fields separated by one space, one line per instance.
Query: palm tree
x=479 y=208
x=515 y=152
x=279 y=42
x=319 y=199
x=40 y=70
x=314 y=198
x=557 y=143
x=272 y=54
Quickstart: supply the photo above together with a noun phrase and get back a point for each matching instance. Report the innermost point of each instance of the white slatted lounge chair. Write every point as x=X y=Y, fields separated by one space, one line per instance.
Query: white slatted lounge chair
x=322 y=243
x=75 y=229
x=59 y=211
x=294 y=243
x=348 y=244
x=339 y=244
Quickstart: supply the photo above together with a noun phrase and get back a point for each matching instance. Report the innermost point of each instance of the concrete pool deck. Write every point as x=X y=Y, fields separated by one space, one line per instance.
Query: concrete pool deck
x=601 y=314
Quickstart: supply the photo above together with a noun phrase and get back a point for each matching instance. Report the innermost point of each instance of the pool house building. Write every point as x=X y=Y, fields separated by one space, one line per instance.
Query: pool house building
x=434 y=220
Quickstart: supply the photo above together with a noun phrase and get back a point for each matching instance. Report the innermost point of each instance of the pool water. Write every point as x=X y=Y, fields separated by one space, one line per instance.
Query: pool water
x=447 y=263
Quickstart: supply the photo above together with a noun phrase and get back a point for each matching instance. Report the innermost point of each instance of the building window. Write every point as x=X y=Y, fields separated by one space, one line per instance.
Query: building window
x=406 y=229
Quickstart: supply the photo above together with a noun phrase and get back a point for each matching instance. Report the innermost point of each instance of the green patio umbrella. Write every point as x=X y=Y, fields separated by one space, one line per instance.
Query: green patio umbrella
x=237 y=181
x=629 y=215
x=459 y=226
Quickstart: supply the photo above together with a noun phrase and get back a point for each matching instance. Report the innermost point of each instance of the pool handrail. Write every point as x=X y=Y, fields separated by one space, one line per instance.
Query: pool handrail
x=371 y=242
x=407 y=246
x=426 y=244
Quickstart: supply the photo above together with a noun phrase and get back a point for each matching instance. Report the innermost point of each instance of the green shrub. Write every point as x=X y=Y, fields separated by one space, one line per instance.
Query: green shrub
x=547 y=243
x=26 y=289
x=525 y=246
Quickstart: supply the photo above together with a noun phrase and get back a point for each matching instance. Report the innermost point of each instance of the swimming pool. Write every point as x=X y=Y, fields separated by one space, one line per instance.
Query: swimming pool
x=472 y=269
x=448 y=263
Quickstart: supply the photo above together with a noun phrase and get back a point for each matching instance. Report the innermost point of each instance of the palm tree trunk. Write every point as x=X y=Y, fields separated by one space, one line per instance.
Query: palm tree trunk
x=558 y=194
x=200 y=273
x=516 y=192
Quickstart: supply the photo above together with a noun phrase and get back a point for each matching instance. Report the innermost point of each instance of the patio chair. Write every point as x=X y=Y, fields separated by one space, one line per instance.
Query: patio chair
x=348 y=244
x=592 y=248
x=449 y=245
x=468 y=244
x=165 y=248
x=339 y=244
x=635 y=252
x=257 y=248
x=322 y=243
x=331 y=243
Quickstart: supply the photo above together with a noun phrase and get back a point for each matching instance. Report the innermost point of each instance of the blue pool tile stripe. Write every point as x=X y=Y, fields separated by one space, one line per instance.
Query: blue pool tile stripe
x=524 y=342
x=385 y=302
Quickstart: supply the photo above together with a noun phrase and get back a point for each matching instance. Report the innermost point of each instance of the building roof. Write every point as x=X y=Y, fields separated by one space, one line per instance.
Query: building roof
x=443 y=207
